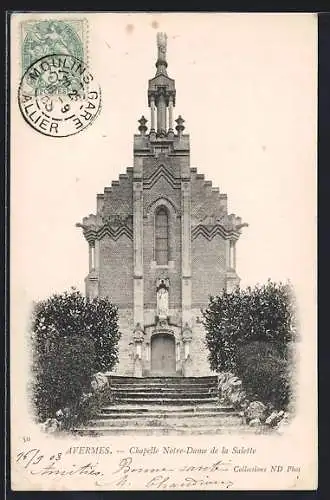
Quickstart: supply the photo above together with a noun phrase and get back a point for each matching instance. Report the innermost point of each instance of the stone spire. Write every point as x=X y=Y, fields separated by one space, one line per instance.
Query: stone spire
x=161 y=93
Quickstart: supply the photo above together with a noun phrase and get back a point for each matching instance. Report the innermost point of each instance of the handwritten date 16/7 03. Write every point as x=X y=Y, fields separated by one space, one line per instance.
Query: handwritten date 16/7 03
x=34 y=457
x=52 y=466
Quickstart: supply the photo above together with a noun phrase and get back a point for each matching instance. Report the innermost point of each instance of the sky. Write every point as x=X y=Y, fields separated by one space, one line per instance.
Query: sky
x=247 y=88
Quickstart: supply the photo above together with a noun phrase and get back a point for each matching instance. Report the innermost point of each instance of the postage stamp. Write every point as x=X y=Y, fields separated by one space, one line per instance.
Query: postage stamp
x=40 y=38
x=58 y=96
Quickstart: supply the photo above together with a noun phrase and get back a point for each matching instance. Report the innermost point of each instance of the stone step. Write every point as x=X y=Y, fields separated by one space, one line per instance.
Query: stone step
x=163 y=406
x=166 y=431
x=201 y=420
x=161 y=380
x=167 y=409
x=161 y=395
x=161 y=401
x=163 y=387
x=166 y=414
x=175 y=381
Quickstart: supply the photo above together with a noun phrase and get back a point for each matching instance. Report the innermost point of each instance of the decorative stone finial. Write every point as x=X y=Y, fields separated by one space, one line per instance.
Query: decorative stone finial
x=180 y=127
x=143 y=128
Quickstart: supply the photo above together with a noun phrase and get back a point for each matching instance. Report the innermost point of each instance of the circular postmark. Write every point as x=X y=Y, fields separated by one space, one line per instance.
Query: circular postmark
x=58 y=96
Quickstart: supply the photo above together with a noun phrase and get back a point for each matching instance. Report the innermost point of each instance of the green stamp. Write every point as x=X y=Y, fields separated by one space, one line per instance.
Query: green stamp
x=40 y=38
x=58 y=96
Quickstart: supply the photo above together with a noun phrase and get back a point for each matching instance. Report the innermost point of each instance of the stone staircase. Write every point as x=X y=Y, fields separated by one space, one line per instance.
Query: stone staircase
x=164 y=406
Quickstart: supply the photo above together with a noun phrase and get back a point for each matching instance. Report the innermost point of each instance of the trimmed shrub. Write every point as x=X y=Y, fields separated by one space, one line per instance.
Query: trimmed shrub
x=264 y=372
x=73 y=337
x=70 y=313
x=263 y=313
x=250 y=333
x=62 y=374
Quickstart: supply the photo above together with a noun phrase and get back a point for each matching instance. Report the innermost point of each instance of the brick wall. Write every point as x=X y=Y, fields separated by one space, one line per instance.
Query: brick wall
x=116 y=270
x=118 y=198
x=205 y=200
x=199 y=351
x=208 y=268
x=126 y=347
x=152 y=165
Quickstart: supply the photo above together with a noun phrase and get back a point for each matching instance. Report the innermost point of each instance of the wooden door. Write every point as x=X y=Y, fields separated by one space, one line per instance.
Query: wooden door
x=163 y=355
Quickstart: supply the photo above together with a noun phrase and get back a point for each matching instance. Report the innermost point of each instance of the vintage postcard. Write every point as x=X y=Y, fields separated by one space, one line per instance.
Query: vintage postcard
x=163 y=251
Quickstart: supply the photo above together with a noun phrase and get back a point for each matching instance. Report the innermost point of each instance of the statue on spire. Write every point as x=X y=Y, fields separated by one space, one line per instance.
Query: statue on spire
x=161 y=43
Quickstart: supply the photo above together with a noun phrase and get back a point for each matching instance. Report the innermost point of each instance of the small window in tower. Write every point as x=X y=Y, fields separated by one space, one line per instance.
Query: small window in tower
x=161 y=239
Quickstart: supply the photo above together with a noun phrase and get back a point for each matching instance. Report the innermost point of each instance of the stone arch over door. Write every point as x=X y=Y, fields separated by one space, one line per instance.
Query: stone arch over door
x=163 y=355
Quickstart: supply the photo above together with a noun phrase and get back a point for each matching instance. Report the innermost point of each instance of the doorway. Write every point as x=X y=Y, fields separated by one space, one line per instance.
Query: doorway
x=163 y=362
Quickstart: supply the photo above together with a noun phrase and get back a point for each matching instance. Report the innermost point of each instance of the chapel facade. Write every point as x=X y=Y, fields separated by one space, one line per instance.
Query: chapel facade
x=161 y=242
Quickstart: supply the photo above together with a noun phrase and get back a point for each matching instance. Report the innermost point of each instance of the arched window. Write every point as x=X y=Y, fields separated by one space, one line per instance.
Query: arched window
x=161 y=236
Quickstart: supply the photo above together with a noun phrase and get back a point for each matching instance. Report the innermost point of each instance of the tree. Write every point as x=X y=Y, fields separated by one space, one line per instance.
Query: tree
x=73 y=337
x=249 y=332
